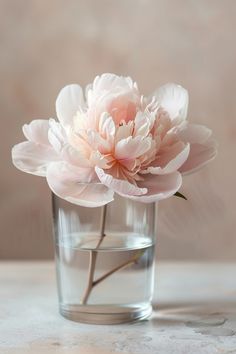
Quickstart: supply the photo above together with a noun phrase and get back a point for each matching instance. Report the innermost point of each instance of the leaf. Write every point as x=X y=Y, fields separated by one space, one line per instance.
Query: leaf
x=180 y=195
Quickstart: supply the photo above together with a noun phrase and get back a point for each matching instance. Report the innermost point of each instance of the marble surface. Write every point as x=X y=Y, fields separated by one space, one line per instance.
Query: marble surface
x=194 y=312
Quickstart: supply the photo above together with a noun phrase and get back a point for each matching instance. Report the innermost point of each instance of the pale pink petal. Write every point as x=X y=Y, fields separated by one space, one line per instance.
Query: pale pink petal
x=130 y=164
x=142 y=124
x=159 y=187
x=119 y=186
x=98 y=143
x=202 y=147
x=168 y=152
x=56 y=135
x=100 y=160
x=117 y=95
x=80 y=142
x=109 y=81
x=74 y=156
x=122 y=107
x=200 y=155
x=106 y=126
x=194 y=133
x=131 y=148
x=59 y=140
x=37 y=131
x=123 y=131
x=173 y=99
x=33 y=158
x=87 y=90
x=69 y=101
x=173 y=165
x=77 y=185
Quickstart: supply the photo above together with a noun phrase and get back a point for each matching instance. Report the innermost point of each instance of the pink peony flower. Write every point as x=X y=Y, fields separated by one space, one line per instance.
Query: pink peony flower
x=115 y=140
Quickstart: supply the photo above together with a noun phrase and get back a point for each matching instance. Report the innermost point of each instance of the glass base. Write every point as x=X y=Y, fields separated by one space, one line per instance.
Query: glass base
x=105 y=314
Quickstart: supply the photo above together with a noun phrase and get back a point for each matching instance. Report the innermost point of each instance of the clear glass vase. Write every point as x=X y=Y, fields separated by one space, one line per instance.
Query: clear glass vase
x=105 y=260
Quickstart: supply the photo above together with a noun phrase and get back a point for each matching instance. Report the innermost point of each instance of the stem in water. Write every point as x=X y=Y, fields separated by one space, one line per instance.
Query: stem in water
x=93 y=257
x=119 y=267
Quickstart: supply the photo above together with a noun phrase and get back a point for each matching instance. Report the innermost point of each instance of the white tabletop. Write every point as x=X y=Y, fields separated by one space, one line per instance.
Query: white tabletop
x=194 y=312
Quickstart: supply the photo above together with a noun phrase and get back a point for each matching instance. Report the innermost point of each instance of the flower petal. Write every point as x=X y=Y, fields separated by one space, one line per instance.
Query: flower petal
x=194 y=133
x=107 y=127
x=123 y=131
x=33 y=158
x=37 y=131
x=199 y=156
x=173 y=99
x=77 y=185
x=69 y=101
x=109 y=81
x=171 y=164
x=202 y=147
x=159 y=187
x=131 y=148
x=142 y=124
x=56 y=135
x=119 y=186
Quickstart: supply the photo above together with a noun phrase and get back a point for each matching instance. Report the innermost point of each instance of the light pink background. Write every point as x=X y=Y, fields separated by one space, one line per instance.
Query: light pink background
x=48 y=44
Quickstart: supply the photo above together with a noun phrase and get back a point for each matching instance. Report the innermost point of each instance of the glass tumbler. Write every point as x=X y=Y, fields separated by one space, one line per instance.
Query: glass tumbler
x=105 y=260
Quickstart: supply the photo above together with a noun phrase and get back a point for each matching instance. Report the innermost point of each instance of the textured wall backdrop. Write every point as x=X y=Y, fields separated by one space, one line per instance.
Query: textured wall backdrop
x=47 y=44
